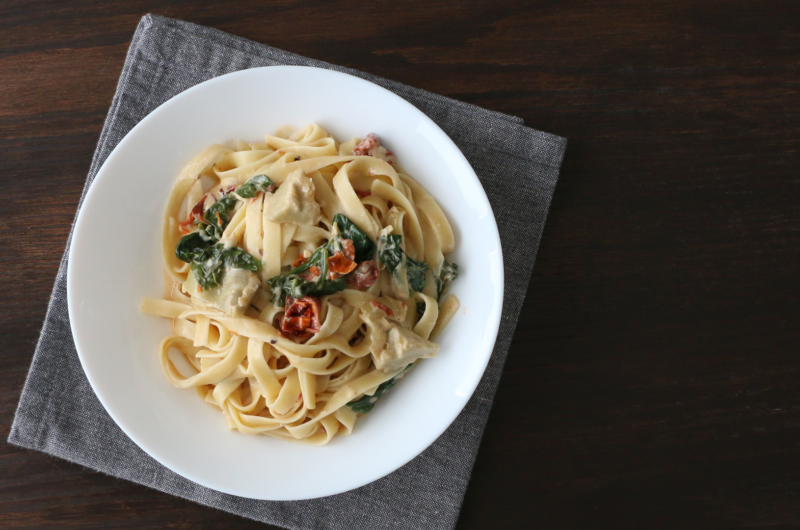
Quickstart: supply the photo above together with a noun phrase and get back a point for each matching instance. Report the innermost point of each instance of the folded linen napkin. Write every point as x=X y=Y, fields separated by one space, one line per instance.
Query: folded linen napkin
x=59 y=414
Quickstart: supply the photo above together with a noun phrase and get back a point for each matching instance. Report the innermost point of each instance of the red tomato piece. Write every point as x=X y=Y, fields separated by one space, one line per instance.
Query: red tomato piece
x=312 y=274
x=339 y=265
x=301 y=316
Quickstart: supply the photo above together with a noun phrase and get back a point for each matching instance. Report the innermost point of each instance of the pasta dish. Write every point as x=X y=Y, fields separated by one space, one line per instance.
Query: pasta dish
x=304 y=279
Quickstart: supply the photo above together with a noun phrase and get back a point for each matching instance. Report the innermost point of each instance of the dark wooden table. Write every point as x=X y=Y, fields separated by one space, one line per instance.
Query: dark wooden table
x=654 y=379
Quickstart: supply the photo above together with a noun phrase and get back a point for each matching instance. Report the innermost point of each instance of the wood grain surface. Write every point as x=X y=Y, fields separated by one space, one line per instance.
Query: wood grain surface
x=653 y=381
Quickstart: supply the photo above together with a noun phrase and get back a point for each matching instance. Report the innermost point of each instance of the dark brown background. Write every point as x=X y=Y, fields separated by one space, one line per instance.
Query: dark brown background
x=653 y=381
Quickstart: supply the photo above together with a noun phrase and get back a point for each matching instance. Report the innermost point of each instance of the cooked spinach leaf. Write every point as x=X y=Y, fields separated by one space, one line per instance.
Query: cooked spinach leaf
x=241 y=259
x=208 y=267
x=254 y=185
x=219 y=215
x=330 y=287
x=415 y=272
x=298 y=288
x=448 y=273
x=367 y=403
x=396 y=260
x=420 y=310
x=206 y=230
x=202 y=248
x=294 y=283
x=365 y=247
x=390 y=251
x=193 y=245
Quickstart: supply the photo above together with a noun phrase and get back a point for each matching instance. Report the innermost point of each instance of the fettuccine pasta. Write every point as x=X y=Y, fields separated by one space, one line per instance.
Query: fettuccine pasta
x=304 y=278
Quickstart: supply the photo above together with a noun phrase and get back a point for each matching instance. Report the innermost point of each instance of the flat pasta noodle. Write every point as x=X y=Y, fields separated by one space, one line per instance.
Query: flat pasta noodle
x=304 y=279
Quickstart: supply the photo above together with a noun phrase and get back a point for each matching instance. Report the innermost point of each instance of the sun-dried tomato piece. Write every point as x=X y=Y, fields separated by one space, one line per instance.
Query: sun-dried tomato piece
x=295 y=324
x=196 y=213
x=378 y=305
x=301 y=316
x=299 y=261
x=342 y=262
x=366 y=274
x=339 y=265
x=362 y=194
x=312 y=274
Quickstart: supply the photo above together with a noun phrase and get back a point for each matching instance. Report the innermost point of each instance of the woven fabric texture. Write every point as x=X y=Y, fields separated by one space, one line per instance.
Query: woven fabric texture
x=518 y=166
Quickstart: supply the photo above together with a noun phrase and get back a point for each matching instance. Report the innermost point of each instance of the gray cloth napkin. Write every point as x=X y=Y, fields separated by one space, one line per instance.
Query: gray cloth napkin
x=59 y=414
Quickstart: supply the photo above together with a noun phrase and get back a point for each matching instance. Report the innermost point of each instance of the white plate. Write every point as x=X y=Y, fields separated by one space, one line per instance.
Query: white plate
x=115 y=261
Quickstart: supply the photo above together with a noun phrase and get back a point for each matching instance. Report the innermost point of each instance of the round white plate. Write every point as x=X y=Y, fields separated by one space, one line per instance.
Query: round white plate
x=115 y=260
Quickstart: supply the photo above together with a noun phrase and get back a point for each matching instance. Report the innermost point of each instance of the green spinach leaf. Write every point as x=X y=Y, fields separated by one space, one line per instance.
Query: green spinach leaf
x=297 y=288
x=367 y=403
x=329 y=287
x=193 y=245
x=420 y=310
x=208 y=267
x=394 y=257
x=218 y=214
x=448 y=273
x=415 y=272
x=365 y=247
x=259 y=183
x=390 y=251
x=294 y=284
x=241 y=259
x=202 y=249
